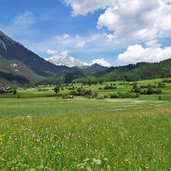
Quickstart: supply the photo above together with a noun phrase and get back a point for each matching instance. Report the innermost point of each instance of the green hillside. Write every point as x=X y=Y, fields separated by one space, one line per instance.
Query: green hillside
x=132 y=72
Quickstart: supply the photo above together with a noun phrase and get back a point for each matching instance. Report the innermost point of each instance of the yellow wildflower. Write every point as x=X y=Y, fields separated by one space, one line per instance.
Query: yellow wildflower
x=105 y=159
x=126 y=162
x=146 y=166
x=1 y=138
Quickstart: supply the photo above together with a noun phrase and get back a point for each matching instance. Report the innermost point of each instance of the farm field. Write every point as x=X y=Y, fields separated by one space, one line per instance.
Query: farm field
x=54 y=134
x=102 y=92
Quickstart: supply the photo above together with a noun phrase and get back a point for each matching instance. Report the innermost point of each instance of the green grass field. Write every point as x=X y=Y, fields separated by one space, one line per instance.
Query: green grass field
x=43 y=133
x=80 y=134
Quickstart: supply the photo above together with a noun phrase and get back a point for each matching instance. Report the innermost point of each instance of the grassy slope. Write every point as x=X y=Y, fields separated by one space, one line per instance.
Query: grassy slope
x=20 y=69
x=50 y=134
x=134 y=72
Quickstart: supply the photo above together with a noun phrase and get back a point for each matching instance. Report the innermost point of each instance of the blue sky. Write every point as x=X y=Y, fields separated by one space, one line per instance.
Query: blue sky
x=110 y=32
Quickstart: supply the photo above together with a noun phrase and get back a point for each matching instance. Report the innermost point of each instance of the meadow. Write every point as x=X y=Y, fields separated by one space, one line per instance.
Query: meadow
x=55 y=134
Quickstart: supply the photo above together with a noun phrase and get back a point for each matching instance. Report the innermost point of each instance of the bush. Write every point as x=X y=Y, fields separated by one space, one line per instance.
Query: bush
x=160 y=98
x=145 y=89
x=110 y=87
x=100 y=98
x=81 y=92
x=158 y=91
x=94 y=95
x=161 y=85
x=124 y=95
x=105 y=96
x=56 y=89
x=18 y=96
x=114 y=95
x=43 y=89
x=14 y=91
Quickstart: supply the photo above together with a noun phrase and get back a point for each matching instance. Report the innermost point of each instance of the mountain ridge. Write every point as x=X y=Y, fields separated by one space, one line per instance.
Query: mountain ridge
x=16 y=59
x=19 y=64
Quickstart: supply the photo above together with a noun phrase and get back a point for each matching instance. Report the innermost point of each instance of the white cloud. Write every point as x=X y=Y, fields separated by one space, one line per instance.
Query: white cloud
x=110 y=37
x=52 y=52
x=81 y=44
x=20 y=24
x=25 y=19
x=138 y=19
x=55 y=53
x=85 y=6
x=64 y=53
x=138 y=53
x=66 y=36
x=129 y=19
x=90 y=45
x=101 y=61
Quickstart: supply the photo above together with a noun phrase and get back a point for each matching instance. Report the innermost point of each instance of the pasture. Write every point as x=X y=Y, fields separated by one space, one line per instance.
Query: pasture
x=53 y=134
x=40 y=131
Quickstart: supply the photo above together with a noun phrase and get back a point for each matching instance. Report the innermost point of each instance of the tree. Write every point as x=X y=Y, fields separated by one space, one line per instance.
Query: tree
x=150 y=89
x=14 y=91
x=57 y=89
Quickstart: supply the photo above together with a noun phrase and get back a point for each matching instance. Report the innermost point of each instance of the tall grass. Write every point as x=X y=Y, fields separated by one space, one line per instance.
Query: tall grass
x=62 y=135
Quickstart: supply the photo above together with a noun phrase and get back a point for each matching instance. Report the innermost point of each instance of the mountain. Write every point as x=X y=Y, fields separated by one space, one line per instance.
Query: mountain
x=131 y=72
x=95 y=67
x=68 y=61
x=19 y=65
x=75 y=63
x=20 y=62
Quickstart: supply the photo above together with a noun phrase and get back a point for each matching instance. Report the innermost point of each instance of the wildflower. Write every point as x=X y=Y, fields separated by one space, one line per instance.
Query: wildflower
x=2 y=159
x=105 y=159
x=28 y=117
x=86 y=160
x=97 y=161
x=1 y=138
x=146 y=166
x=126 y=162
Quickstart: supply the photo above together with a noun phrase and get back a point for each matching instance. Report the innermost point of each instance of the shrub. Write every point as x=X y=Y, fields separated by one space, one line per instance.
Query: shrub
x=160 y=98
x=145 y=89
x=161 y=85
x=110 y=87
x=56 y=89
x=81 y=92
x=114 y=95
x=100 y=98
x=14 y=91
x=124 y=95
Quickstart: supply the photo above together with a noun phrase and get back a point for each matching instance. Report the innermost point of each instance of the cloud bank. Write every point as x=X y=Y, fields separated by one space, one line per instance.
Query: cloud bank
x=134 y=19
x=85 y=6
x=138 y=53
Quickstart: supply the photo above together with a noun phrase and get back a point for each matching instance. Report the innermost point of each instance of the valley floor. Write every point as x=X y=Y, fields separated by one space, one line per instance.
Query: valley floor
x=80 y=134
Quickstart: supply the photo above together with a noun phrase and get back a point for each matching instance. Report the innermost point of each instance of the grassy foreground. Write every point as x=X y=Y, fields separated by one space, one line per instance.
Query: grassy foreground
x=49 y=134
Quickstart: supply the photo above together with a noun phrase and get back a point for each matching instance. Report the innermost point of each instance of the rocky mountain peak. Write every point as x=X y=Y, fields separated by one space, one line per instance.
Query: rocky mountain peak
x=66 y=61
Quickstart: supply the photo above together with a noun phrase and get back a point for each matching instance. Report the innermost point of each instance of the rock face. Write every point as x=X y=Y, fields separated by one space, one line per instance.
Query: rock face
x=17 y=59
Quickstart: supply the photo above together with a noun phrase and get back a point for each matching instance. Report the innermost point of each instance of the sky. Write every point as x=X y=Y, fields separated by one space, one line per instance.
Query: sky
x=110 y=32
